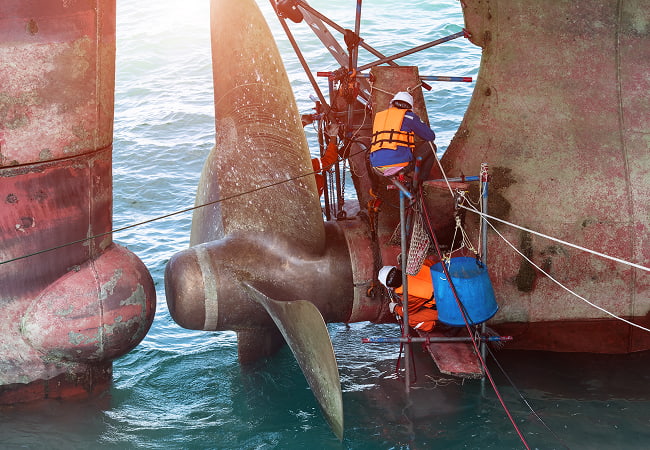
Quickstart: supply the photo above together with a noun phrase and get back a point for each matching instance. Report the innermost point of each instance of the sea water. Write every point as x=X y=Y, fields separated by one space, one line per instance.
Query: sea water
x=182 y=389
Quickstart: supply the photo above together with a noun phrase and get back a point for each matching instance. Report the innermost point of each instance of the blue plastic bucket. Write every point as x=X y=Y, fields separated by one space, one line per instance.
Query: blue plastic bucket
x=474 y=289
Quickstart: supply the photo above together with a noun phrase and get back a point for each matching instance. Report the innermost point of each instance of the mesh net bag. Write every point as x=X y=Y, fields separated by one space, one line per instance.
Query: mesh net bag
x=419 y=247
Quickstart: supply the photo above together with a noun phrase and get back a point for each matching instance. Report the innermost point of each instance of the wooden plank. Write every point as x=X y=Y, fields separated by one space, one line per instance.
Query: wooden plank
x=454 y=358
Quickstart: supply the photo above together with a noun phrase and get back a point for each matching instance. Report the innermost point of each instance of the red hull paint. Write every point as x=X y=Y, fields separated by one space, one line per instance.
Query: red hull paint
x=85 y=381
x=585 y=336
x=560 y=113
x=65 y=314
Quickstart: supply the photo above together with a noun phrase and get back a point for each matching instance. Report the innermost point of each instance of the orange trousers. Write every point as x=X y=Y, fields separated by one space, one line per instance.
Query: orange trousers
x=420 y=317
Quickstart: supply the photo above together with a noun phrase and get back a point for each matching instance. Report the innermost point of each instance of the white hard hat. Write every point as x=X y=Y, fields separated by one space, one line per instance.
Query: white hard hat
x=404 y=97
x=383 y=274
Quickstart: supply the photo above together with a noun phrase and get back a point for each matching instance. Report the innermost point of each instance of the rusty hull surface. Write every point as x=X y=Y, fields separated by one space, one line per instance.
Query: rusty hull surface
x=561 y=113
x=65 y=314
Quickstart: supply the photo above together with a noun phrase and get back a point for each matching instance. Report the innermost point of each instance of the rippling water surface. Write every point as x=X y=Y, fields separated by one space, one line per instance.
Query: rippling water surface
x=185 y=389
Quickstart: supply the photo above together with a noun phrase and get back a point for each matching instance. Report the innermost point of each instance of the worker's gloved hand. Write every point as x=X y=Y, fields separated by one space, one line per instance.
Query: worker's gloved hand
x=392 y=306
x=332 y=129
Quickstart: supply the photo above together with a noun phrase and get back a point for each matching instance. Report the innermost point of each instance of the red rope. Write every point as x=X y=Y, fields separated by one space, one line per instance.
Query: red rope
x=476 y=349
x=399 y=357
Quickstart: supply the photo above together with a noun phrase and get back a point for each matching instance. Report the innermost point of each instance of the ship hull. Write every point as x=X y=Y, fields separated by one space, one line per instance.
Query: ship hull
x=71 y=300
x=560 y=112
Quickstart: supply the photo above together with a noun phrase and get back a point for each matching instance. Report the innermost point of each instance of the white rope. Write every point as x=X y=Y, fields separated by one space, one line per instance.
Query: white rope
x=372 y=87
x=411 y=89
x=486 y=216
x=465 y=240
x=564 y=287
x=602 y=255
x=451 y=191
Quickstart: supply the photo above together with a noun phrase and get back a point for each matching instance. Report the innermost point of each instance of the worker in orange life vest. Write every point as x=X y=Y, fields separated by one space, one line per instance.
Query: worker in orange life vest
x=421 y=304
x=393 y=148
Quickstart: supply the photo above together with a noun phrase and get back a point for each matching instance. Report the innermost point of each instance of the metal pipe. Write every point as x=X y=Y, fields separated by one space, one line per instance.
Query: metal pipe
x=458 y=179
x=422 y=77
x=418 y=168
x=354 y=56
x=357 y=30
x=402 y=189
x=484 y=207
x=411 y=51
x=341 y=30
x=305 y=67
x=405 y=311
x=429 y=340
x=339 y=191
x=445 y=78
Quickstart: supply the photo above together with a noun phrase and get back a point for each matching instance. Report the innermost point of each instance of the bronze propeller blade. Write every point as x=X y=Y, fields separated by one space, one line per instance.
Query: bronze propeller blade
x=305 y=332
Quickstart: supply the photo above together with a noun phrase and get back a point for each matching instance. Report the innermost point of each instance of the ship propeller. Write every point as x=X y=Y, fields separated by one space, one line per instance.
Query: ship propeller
x=305 y=332
x=258 y=220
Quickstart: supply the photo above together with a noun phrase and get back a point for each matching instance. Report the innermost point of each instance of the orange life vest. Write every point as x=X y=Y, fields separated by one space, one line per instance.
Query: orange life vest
x=387 y=132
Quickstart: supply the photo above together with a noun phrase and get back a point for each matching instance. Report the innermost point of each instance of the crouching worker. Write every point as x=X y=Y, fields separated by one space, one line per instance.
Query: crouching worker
x=422 y=310
x=393 y=148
